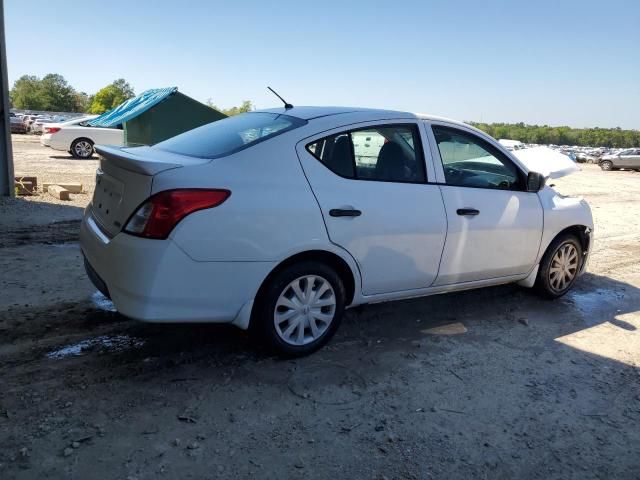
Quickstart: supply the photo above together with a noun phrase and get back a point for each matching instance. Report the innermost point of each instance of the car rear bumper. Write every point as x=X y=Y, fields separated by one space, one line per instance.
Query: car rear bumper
x=45 y=140
x=155 y=281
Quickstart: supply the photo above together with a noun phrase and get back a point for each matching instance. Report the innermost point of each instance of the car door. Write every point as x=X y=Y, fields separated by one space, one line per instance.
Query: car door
x=494 y=225
x=109 y=135
x=371 y=185
x=629 y=159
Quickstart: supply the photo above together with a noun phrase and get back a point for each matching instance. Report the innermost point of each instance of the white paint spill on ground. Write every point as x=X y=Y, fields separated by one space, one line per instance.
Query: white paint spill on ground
x=104 y=342
x=102 y=302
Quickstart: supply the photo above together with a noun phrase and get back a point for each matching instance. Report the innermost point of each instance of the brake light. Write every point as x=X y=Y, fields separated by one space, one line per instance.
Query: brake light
x=159 y=215
x=51 y=129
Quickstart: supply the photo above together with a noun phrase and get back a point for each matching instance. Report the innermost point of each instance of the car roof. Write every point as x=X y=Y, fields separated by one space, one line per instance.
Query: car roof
x=309 y=113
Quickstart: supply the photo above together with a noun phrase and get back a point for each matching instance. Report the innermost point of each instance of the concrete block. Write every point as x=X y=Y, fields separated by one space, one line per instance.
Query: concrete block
x=73 y=187
x=58 y=192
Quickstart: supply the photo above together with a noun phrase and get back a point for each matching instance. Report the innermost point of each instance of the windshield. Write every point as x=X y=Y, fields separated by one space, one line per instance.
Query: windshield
x=230 y=135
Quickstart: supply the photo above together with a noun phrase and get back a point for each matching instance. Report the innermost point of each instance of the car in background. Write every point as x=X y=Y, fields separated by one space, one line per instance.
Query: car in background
x=36 y=126
x=582 y=157
x=16 y=125
x=629 y=159
x=512 y=145
x=277 y=220
x=78 y=138
x=28 y=119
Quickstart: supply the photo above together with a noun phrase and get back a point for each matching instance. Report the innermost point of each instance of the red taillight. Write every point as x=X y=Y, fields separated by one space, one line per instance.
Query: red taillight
x=156 y=217
x=51 y=129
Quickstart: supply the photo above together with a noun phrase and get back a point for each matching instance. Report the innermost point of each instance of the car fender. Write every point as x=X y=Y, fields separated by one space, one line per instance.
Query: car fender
x=560 y=213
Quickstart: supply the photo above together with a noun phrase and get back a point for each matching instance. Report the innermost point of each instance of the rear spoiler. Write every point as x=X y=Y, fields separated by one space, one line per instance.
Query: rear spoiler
x=134 y=162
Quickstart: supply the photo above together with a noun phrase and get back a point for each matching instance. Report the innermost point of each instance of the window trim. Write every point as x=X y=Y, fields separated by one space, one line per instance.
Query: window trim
x=486 y=145
x=416 y=148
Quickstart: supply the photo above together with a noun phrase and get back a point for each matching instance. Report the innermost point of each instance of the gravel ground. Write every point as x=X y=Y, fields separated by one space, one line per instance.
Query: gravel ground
x=492 y=383
x=32 y=159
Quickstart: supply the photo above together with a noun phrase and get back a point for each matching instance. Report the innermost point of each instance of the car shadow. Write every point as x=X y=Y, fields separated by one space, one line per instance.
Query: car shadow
x=71 y=157
x=503 y=315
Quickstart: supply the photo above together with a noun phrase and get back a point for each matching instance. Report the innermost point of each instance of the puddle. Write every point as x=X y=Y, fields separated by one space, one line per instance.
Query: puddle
x=596 y=300
x=113 y=343
x=102 y=302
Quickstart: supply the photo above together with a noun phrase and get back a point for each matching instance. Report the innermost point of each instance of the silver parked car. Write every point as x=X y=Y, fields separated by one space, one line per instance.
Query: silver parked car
x=629 y=159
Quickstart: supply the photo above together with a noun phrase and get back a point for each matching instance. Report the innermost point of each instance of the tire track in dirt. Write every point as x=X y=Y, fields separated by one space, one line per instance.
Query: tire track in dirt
x=57 y=232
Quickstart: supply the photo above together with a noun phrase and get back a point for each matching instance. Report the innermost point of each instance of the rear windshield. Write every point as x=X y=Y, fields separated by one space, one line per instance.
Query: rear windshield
x=230 y=135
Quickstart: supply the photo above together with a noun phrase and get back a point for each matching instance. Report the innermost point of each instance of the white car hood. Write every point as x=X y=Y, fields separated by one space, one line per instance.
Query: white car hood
x=546 y=161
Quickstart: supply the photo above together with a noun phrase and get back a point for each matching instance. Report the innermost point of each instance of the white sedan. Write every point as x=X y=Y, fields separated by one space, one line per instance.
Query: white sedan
x=278 y=220
x=77 y=138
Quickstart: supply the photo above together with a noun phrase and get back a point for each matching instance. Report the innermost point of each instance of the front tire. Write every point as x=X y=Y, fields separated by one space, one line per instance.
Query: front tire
x=82 y=148
x=606 y=165
x=560 y=266
x=300 y=309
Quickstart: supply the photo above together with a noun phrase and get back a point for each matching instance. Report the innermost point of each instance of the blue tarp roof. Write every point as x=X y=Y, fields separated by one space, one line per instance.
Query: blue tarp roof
x=132 y=107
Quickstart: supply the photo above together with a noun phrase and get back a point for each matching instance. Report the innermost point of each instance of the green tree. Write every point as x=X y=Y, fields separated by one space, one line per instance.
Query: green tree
x=52 y=93
x=26 y=93
x=111 y=96
x=57 y=94
x=82 y=102
x=246 y=106
x=592 y=137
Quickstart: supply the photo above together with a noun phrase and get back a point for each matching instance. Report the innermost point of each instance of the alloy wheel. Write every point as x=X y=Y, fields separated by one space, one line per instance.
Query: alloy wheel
x=304 y=310
x=564 y=267
x=83 y=149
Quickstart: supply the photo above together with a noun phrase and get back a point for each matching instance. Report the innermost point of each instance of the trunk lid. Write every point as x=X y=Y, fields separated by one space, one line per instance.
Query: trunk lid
x=124 y=180
x=546 y=161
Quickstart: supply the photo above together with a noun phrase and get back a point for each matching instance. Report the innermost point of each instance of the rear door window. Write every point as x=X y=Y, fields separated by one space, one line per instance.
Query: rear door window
x=388 y=153
x=230 y=135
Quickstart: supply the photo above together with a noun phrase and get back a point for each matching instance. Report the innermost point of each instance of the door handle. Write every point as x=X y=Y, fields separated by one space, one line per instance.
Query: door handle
x=467 y=211
x=344 y=212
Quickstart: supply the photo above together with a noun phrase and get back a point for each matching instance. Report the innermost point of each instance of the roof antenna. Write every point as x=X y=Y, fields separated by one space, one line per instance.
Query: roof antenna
x=286 y=104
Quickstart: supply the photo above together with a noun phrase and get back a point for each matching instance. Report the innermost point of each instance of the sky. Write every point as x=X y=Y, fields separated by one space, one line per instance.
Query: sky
x=555 y=62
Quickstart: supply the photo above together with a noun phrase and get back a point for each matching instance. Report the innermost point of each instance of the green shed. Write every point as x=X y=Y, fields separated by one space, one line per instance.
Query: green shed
x=157 y=114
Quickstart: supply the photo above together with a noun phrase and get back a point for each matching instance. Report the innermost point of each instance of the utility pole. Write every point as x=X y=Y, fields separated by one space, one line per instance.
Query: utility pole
x=6 y=155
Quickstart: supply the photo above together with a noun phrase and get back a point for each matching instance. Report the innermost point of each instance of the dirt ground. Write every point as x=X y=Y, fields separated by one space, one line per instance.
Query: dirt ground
x=507 y=385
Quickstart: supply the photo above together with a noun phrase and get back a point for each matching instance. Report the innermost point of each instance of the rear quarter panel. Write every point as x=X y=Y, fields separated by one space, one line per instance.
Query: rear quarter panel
x=270 y=215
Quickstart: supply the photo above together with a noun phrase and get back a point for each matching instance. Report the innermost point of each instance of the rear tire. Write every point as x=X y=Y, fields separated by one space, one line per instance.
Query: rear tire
x=82 y=148
x=299 y=310
x=560 y=266
x=606 y=165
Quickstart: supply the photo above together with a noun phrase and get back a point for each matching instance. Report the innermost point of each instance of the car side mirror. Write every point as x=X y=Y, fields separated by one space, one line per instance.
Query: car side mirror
x=535 y=182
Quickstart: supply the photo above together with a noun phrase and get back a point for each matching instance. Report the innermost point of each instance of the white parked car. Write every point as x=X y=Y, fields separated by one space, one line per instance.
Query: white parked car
x=37 y=125
x=512 y=145
x=268 y=220
x=77 y=138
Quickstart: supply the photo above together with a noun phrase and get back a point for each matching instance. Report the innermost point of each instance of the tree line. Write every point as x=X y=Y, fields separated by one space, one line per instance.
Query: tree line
x=544 y=134
x=52 y=93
